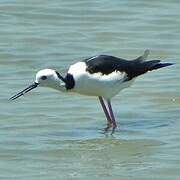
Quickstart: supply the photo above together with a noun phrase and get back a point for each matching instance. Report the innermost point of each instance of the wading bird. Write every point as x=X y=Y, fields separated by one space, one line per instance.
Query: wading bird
x=103 y=76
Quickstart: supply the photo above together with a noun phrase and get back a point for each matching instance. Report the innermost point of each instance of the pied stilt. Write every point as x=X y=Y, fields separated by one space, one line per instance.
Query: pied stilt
x=103 y=76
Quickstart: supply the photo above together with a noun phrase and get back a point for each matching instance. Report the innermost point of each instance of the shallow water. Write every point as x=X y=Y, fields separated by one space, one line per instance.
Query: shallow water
x=49 y=135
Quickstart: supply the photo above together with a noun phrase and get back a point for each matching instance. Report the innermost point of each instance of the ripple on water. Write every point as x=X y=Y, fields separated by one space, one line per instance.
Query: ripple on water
x=48 y=135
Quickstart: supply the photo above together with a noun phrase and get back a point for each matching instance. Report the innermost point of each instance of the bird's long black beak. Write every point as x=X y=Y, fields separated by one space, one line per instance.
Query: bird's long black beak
x=29 y=88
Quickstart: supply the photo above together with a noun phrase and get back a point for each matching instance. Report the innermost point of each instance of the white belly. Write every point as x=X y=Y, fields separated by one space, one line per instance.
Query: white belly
x=97 y=84
x=99 y=88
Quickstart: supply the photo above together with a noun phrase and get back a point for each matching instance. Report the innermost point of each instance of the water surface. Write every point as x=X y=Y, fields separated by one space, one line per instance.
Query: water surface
x=49 y=135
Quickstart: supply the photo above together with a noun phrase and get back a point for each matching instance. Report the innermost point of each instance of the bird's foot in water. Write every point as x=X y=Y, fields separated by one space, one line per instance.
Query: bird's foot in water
x=106 y=129
x=109 y=126
x=114 y=126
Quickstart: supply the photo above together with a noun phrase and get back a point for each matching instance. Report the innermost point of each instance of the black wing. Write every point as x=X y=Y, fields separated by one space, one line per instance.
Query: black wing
x=106 y=64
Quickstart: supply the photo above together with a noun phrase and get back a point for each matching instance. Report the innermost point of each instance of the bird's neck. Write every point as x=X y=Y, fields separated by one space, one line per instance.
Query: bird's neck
x=69 y=81
x=63 y=84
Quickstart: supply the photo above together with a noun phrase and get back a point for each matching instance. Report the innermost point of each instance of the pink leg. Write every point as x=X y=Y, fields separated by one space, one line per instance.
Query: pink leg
x=109 y=121
x=112 y=116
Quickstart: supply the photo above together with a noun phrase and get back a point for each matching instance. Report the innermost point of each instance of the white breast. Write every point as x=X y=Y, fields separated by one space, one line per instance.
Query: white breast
x=97 y=84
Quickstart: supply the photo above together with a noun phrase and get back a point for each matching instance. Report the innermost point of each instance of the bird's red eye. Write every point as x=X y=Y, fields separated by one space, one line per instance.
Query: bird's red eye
x=44 y=77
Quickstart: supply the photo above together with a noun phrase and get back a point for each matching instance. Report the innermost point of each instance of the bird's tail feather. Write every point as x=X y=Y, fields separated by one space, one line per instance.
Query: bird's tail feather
x=155 y=64
x=140 y=67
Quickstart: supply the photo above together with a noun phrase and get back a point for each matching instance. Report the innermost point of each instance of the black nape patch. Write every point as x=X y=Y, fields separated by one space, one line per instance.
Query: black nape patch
x=68 y=80
x=60 y=77
x=70 y=83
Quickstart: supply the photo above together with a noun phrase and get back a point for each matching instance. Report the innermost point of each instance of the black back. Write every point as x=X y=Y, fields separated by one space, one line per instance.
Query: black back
x=108 y=64
x=105 y=64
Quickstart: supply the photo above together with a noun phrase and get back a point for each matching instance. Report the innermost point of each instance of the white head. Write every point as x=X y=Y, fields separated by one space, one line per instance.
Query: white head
x=46 y=78
x=49 y=78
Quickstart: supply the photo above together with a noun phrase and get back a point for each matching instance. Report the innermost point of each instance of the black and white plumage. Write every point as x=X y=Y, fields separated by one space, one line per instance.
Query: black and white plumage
x=102 y=76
